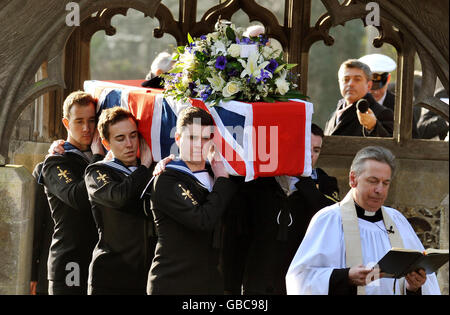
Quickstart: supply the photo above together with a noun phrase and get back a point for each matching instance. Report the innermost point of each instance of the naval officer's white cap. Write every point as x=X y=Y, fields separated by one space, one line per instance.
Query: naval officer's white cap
x=379 y=63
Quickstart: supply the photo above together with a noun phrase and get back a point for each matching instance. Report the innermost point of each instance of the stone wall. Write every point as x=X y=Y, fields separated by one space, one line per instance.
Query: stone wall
x=16 y=229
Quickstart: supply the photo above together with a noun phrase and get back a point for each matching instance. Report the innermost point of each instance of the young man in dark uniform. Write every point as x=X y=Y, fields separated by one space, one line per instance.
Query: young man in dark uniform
x=121 y=260
x=280 y=209
x=74 y=234
x=187 y=203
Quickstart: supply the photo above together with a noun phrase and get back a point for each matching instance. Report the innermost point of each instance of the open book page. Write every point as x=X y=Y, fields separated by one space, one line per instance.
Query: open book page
x=399 y=261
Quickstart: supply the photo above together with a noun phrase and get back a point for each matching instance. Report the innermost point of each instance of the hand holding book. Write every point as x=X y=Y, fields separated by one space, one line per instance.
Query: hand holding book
x=399 y=262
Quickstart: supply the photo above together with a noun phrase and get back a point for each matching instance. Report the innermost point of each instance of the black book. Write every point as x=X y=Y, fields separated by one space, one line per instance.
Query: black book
x=398 y=262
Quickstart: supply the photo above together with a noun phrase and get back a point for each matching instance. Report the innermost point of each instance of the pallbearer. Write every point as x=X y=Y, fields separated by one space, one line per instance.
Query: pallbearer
x=122 y=257
x=187 y=201
x=74 y=235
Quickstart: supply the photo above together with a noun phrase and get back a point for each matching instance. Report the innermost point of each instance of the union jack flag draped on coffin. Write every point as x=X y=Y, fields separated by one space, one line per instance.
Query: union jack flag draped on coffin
x=254 y=139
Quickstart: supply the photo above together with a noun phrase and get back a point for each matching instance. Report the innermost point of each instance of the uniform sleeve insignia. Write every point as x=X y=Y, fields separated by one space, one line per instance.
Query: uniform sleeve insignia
x=335 y=195
x=187 y=194
x=102 y=177
x=64 y=174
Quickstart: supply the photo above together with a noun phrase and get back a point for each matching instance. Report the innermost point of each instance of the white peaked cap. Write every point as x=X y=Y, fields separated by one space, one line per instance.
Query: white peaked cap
x=379 y=63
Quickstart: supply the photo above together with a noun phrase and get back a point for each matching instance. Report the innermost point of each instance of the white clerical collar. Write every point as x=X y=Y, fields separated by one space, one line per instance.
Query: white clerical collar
x=369 y=213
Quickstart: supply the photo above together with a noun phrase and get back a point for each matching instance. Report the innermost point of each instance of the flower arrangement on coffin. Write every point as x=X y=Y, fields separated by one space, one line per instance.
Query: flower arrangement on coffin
x=225 y=65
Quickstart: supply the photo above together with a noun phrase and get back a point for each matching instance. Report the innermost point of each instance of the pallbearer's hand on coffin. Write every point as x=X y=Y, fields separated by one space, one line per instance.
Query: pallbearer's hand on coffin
x=146 y=153
x=96 y=145
x=217 y=165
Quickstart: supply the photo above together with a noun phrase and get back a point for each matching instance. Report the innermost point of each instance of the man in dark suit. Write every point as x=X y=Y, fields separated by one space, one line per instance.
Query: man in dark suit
x=381 y=67
x=278 y=212
x=355 y=82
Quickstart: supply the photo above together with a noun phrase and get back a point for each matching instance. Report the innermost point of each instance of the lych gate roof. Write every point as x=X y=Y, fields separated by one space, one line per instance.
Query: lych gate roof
x=33 y=32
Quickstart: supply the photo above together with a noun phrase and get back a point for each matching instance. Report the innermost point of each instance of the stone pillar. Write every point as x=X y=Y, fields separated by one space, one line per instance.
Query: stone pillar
x=16 y=229
x=443 y=243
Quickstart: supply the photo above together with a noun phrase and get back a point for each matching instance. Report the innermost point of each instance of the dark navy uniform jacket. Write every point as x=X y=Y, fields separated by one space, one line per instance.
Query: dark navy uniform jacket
x=74 y=235
x=187 y=218
x=122 y=257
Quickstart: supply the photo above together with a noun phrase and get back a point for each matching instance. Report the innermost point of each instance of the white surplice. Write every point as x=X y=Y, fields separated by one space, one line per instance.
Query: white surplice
x=323 y=249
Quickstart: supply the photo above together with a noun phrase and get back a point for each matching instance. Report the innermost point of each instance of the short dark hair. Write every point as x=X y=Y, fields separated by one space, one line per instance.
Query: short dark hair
x=316 y=130
x=191 y=113
x=77 y=98
x=110 y=117
x=354 y=63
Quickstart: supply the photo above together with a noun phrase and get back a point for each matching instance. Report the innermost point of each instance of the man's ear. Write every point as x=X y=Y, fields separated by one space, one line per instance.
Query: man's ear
x=388 y=79
x=177 y=138
x=159 y=72
x=106 y=144
x=65 y=122
x=352 y=179
x=369 y=84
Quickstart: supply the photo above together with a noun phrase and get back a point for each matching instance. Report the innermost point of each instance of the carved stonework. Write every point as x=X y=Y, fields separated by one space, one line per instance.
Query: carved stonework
x=426 y=223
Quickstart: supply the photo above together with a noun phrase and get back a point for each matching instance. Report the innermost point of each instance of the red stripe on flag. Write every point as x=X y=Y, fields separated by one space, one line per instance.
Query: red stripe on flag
x=287 y=154
x=141 y=105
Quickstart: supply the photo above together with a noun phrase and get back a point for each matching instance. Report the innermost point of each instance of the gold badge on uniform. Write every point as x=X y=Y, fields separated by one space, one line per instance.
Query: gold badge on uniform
x=187 y=194
x=102 y=177
x=335 y=195
x=64 y=174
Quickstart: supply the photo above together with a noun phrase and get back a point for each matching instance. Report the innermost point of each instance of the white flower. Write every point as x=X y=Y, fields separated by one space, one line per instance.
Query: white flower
x=282 y=84
x=188 y=60
x=219 y=47
x=251 y=67
x=231 y=88
x=267 y=51
x=217 y=83
x=234 y=50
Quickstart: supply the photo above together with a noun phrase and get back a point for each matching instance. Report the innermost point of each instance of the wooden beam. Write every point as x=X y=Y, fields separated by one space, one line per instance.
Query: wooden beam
x=403 y=116
x=415 y=149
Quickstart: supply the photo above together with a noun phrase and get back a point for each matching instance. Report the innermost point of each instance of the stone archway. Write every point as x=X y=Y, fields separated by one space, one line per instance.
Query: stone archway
x=43 y=39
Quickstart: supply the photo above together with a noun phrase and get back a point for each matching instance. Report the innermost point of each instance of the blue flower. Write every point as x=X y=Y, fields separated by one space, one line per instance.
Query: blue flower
x=205 y=93
x=263 y=40
x=264 y=76
x=221 y=62
x=272 y=66
x=203 y=37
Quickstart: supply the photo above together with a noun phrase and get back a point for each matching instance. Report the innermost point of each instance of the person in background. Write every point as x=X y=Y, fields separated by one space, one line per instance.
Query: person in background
x=162 y=64
x=279 y=211
x=355 y=83
x=381 y=67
